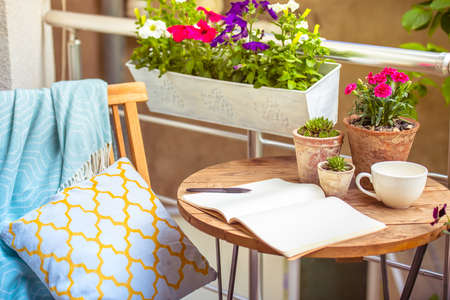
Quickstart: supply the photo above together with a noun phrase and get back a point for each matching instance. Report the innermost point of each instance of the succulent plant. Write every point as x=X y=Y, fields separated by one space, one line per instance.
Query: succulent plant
x=318 y=127
x=337 y=164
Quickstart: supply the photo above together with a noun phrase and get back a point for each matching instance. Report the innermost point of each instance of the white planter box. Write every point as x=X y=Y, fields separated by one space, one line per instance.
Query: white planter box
x=271 y=110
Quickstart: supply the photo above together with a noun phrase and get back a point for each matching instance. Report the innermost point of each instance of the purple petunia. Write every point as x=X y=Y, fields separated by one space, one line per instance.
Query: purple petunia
x=238 y=8
x=255 y=46
x=265 y=5
x=438 y=214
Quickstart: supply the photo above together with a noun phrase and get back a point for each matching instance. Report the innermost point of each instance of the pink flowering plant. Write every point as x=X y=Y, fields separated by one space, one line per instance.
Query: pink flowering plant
x=178 y=36
x=383 y=98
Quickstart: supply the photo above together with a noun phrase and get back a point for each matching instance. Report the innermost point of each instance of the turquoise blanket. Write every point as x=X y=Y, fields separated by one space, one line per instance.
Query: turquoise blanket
x=49 y=139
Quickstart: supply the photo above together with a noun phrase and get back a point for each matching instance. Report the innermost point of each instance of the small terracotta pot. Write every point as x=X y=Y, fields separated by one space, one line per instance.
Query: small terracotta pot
x=369 y=146
x=310 y=151
x=335 y=183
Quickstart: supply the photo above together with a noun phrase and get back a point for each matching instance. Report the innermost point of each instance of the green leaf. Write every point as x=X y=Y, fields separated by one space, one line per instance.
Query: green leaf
x=445 y=22
x=416 y=18
x=427 y=81
x=285 y=76
x=446 y=90
x=291 y=84
x=440 y=4
x=435 y=48
x=434 y=297
x=189 y=66
x=250 y=77
x=413 y=46
x=435 y=23
x=310 y=63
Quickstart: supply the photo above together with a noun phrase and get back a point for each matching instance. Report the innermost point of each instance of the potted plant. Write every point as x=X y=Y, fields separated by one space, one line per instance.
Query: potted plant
x=314 y=142
x=220 y=68
x=382 y=125
x=335 y=175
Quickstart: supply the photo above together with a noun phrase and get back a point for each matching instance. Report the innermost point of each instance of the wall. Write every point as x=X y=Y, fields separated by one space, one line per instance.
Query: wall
x=26 y=45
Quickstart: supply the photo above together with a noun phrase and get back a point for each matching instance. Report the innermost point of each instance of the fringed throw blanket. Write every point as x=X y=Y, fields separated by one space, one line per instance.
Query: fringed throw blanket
x=49 y=139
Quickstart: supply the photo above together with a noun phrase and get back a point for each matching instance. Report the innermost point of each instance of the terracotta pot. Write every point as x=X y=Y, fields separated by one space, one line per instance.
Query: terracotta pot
x=335 y=183
x=369 y=146
x=310 y=151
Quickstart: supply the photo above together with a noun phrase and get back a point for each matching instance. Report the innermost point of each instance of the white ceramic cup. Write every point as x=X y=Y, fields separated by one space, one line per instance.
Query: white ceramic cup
x=397 y=183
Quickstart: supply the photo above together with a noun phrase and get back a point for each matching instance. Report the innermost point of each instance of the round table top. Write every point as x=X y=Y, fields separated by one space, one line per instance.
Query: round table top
x=406 y=228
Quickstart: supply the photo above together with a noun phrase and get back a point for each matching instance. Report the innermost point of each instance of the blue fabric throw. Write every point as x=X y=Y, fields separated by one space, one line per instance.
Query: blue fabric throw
x=49 y=139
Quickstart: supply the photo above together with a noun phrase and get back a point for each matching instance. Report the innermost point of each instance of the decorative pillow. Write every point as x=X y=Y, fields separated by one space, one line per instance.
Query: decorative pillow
x=108 y=237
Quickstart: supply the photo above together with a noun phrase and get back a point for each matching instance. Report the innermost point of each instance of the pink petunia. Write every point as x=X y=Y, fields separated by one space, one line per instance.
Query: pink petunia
x=371 y=79
x=382 y=90
x=400 y=77
x=350 y=88
x=204 y=33
x=180 y=32
x=212 y=16
x=380 y=78
x=389 y=71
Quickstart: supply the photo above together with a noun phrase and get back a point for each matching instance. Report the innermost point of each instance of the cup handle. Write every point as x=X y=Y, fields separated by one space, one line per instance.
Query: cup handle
x=358 y=184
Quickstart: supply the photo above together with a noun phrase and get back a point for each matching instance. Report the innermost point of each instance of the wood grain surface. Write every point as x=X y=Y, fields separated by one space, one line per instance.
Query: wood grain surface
x=406 y=228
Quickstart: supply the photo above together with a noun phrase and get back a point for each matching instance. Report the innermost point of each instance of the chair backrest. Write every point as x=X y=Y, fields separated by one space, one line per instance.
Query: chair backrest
x=127 y=95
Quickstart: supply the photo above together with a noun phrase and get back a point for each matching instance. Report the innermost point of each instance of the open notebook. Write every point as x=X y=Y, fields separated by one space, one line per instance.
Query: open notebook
x=292 y=218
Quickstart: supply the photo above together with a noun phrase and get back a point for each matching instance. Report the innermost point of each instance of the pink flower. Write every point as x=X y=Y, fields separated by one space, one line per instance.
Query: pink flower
x=205 y=33
x=180 y=32
x=382 y=90
x=389 y=71
x=350 y=88
x=212 y=16
x=380 y=78
x=371 y=79
x=400 y=77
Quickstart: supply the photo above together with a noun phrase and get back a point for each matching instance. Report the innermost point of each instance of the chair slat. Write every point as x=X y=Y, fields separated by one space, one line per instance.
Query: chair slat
x=135 y=138
x=127 y=92
x=111 y=156
x=118 y=131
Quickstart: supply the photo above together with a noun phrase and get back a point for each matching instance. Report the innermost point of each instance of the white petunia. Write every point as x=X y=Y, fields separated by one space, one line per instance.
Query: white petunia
x=303 y=24
x=153 y=28
x=180 y=1
x=292 y=5
x=303 y=38
x=277 y=7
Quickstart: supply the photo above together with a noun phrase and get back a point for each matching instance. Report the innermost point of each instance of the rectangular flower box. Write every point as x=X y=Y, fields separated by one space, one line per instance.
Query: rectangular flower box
x=271 y=110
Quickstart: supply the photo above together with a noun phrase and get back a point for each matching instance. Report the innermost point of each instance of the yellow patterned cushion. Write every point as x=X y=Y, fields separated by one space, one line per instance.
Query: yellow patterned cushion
x=108 y=238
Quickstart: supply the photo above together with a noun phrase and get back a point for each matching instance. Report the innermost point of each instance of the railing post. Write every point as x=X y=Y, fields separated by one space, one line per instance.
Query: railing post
x=74 y=56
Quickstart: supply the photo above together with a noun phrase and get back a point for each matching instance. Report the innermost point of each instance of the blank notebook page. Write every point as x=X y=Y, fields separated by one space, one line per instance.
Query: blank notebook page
x=264 y=195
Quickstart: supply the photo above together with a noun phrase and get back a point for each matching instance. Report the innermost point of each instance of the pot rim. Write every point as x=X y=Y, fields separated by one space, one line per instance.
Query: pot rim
x=319 y=166
x=373 y=132
x=295 y=133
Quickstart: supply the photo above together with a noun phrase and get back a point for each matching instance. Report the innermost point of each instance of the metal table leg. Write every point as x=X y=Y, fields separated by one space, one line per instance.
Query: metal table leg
x=219 y=269
x=446 y=278
x=233 y=272
x=254 y=276
x=384 y=277
x=412 y=275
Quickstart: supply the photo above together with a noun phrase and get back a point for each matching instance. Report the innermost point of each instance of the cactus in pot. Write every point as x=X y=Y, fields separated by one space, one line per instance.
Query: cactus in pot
x=315 y=142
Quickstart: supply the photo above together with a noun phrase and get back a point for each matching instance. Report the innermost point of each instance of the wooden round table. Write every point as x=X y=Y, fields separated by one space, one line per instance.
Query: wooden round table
x=406 y=228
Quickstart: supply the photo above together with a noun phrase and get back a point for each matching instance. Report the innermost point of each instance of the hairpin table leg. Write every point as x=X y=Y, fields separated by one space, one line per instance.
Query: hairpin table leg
x=219 y=269
x=384 y=277
x=233 y=272
x=413 y=272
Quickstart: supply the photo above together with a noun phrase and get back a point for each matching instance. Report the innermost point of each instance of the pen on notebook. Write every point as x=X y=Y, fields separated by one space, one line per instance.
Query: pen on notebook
x=218 y=190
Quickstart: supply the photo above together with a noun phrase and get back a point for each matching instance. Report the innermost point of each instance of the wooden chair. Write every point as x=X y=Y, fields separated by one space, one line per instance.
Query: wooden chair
x=127 y=95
